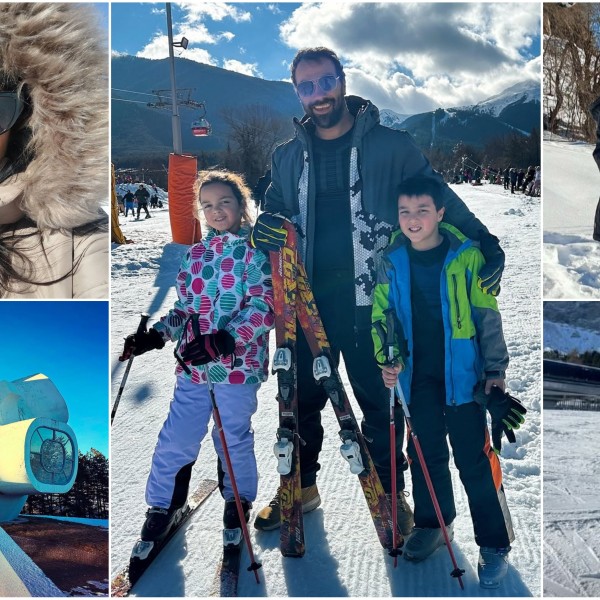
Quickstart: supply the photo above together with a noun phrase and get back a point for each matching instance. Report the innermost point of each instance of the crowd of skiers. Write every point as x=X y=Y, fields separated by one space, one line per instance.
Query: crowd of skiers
x=139 y=200
x=514 y=179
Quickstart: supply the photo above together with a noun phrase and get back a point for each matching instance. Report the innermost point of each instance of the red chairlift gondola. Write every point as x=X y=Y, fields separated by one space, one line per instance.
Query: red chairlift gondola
x=201 y=128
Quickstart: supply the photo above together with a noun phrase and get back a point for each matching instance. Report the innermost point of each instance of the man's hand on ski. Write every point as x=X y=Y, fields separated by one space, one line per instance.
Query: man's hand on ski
x=390 y=374
x=140 y=342
x=491 y=273
x=206 y=348
x=507 y=414
x=268 y=233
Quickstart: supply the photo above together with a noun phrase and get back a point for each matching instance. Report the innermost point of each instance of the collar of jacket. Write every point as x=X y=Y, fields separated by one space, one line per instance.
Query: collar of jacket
x=241 y=237
x=365 y=113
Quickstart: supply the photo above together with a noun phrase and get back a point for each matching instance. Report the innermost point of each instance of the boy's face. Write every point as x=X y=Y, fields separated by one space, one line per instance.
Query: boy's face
x=418 y=219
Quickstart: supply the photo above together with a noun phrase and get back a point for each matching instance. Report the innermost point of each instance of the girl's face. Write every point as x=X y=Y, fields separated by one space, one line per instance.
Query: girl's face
x=221 y=209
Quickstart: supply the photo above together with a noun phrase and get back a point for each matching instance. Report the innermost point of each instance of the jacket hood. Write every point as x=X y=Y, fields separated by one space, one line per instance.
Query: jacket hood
x=59 y=53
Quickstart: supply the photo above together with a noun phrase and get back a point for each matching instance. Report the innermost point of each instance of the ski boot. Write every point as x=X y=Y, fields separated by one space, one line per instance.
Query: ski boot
x=269 y=517
x=155 y=531
x=159 y=522
x=492 y=566
x=406 y=521
x=232 y=527
x=424 y=541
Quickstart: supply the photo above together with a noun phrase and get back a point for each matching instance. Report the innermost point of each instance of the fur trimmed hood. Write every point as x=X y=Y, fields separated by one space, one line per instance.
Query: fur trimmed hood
x=60 y=53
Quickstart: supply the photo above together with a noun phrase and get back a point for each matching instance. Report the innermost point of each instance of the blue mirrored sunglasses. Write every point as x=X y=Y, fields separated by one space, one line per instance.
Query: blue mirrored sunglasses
x=11 y=107
x=326 y=83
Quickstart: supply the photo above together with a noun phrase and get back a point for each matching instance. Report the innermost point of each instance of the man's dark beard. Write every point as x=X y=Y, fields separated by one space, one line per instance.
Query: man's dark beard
x=331 y=119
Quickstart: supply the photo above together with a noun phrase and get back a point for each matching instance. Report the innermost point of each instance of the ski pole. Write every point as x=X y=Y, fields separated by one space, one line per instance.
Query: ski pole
x=388 y=342
x=141 y=329
x=254 y=566
x=456 y=572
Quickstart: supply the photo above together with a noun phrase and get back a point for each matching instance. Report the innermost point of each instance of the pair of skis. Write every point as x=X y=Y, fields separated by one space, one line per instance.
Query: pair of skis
x=293 y=299
x=144 y=553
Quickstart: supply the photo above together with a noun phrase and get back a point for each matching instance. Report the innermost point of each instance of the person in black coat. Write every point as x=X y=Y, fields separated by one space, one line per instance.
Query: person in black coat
x=595 y=110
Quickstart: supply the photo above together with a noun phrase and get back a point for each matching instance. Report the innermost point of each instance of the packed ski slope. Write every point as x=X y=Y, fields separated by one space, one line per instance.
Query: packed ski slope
x=571 y=185
x=571 y=504
x=343 y=556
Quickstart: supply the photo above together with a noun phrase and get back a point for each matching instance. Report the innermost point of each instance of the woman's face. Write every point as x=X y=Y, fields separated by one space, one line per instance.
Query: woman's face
x=4 y=144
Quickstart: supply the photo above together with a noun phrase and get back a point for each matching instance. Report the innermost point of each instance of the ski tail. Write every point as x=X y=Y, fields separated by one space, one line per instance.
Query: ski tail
x=287 y=448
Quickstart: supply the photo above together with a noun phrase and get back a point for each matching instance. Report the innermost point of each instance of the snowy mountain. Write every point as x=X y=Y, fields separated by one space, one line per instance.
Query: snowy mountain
x=343 y=557
x=564 y=338
x=516 y=109
x=520 y=93
x=391 y=119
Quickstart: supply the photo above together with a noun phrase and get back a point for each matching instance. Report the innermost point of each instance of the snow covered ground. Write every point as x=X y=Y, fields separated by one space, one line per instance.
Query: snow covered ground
x=571 y=504
x=571 y=186
x=19 y=575
x=565 y=338
x=343 y=556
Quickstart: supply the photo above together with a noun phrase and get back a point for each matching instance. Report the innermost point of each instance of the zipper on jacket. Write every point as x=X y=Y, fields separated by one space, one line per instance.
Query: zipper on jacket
x=458 y=318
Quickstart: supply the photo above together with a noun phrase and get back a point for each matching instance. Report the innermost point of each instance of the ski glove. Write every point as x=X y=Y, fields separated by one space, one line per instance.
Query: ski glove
x=206 y=348
x=507 y=414
x=268 y=234
x=491 y=273
x=138 y=343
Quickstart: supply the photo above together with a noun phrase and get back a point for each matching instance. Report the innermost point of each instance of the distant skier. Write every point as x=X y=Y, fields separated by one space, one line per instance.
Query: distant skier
x=128 y=199
x=595 y=110
x=427 y=278
x=142 y=195
x=227 y=284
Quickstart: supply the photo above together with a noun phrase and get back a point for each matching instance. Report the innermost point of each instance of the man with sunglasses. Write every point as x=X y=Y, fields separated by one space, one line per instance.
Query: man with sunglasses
x=336 y=180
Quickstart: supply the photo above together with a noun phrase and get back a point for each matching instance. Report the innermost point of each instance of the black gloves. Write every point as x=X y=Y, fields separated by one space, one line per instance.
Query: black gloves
x=140 y=342
x=268 y=234
x=507 y=414
x=206 y=348
x=491 y=273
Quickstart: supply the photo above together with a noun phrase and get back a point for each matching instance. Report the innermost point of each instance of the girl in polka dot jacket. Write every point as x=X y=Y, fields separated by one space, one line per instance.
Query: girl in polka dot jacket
x=221 y=319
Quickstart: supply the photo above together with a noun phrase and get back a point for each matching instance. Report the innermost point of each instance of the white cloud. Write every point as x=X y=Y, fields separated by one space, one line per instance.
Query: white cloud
x=157 y=48
x=240 y=67
x=413 y=57
x=217 y=11
x=116 y=53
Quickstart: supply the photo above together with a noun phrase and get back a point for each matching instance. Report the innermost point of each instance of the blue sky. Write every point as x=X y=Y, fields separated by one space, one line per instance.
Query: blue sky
x=410 y=57
x=68 y=342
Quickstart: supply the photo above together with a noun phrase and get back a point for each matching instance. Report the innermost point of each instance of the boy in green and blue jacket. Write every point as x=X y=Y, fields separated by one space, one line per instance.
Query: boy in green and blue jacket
x=428 y=278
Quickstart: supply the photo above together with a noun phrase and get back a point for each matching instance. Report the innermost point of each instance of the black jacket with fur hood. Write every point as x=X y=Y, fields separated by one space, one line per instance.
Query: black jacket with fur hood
x=58 y=54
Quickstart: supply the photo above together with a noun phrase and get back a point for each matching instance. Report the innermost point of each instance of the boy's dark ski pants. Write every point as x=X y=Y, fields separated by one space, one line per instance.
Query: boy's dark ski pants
x=477 y=464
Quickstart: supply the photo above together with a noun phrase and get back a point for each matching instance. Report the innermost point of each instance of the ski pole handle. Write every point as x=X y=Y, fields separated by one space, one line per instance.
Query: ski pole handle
x=141 y=329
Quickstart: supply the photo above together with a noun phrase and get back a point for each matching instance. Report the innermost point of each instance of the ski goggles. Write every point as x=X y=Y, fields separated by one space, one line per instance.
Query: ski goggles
x=326 y=83
x=11 y=107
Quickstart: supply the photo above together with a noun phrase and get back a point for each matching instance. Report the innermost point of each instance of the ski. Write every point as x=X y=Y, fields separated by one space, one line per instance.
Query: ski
x=287 y=447
x=354 y=448
x=226 y=581
x=126 y=579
